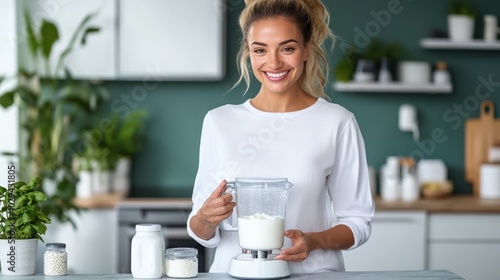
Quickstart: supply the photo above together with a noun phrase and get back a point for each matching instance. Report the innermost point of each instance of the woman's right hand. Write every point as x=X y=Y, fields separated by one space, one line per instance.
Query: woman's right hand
x=218 y=207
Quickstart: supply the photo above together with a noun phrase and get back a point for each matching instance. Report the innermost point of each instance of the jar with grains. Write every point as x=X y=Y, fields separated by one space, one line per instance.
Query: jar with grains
x=181 y=262
x=147 y=251
x=55 y=259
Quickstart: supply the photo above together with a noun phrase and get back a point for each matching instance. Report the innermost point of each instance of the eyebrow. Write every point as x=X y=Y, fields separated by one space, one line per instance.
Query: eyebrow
x=281 y=43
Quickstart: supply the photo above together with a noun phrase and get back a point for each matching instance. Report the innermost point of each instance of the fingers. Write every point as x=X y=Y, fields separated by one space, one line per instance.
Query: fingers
x=217 y=207
x=219 y=191
x=299 y=250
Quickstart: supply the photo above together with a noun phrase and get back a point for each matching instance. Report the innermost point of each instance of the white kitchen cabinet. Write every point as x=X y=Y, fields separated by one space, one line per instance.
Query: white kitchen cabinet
x=171 y=39
x=94 y=60
x=397 y=242
x=143 y=40
x=91 y=247
x=9 y=121
x=467 y=244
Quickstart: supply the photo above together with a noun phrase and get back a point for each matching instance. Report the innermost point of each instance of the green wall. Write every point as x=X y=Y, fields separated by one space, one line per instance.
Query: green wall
x=167 y=166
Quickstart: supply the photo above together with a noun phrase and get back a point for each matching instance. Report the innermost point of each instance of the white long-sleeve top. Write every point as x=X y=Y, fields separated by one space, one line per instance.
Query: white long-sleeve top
x=319 y=149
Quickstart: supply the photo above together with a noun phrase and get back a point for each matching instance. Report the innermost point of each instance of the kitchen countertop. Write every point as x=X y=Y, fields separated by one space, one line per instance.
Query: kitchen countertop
x=452 y=204
x=353 y=275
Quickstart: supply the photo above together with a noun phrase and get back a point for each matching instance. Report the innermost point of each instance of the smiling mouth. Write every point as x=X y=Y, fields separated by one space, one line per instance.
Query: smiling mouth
x=277 y=75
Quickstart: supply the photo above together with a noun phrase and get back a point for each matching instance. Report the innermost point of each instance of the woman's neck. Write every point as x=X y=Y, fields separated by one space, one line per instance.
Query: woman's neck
x=280 y=103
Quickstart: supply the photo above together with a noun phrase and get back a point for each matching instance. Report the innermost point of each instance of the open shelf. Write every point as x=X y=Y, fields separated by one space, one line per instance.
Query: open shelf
x=435 y=43
x=393 y=87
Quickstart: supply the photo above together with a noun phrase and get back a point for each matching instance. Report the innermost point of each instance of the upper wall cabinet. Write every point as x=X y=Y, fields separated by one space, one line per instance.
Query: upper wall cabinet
x=94 y=60
x=172 y=39
x=167 y=40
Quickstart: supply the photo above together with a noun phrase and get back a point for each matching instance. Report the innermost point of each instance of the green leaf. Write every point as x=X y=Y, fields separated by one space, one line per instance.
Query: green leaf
x=32 y=39
x=49 y=35
x=39 y=196
x=88 y=31
x=35 y=182
x=27 y=95
x=28 y=217
x=20 y=201
x=7 y=99
x=39 y=227
x=2 y=190
x=28 y=231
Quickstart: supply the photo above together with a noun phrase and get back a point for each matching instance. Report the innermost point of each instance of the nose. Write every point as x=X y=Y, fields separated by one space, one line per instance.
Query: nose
x=274 y=60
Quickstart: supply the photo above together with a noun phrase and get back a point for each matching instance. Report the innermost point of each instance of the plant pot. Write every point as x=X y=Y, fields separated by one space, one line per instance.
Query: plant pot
x=101 y=180
x=18 y=257
x=460 y=27
x=121 y=177
x=84 y=185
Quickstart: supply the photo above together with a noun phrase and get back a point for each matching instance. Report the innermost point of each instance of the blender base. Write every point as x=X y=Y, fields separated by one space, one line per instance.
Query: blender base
x=249 y=268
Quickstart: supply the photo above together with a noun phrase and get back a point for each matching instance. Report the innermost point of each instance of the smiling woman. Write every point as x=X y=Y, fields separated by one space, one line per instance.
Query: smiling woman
x=279 y=133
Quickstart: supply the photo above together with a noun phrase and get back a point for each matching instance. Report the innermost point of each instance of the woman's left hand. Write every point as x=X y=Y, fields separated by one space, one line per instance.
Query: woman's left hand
x=300 y=249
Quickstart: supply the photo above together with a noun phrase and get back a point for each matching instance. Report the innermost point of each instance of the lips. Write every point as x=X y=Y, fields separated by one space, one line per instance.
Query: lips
x=277 y=76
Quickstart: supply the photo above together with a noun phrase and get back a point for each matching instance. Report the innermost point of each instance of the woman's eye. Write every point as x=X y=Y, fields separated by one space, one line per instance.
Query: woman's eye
x=258 y=51
x=288 y=49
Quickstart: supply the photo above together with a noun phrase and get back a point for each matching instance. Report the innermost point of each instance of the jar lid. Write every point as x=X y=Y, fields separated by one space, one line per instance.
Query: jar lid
x=181 y=252
x=55 y=246
x=147 y=227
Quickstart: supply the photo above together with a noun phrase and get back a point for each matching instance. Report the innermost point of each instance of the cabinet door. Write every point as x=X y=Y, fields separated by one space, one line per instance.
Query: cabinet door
x=94 y=60
x=470 y=260
x=9 y=127
x=397 y=242
x=91 y=247
x=467 y=244
x=172 y=39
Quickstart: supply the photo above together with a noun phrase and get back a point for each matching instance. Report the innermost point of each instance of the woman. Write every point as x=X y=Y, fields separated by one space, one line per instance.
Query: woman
x=287 y=130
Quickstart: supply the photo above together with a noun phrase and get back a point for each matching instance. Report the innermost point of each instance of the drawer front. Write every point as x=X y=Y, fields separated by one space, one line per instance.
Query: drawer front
x=464 y=227
x=397 y=242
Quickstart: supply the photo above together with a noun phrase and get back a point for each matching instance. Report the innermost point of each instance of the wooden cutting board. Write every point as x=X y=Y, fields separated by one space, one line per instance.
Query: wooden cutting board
x=480 y=135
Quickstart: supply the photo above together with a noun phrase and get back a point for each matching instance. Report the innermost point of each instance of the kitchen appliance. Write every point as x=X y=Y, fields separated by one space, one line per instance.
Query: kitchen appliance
x=260 y=221
x=480 y=135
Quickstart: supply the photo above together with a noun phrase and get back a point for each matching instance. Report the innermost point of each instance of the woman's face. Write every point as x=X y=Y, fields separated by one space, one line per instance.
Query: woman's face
x=277 y=54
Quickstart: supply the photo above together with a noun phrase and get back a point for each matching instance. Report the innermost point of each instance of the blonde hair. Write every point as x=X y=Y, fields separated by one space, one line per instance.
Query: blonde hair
x=311 y=17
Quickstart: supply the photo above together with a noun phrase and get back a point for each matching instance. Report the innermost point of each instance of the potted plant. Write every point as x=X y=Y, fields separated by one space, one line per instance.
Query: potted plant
x=124 y=138
x=22 y=224
x=50 y=111
x=461 y=20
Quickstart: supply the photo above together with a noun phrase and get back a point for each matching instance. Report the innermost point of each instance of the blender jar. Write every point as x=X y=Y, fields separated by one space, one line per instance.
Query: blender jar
x=260 y=212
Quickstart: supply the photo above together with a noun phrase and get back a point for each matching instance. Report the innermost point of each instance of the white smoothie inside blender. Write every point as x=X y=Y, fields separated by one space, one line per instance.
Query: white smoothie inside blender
x=261 y=232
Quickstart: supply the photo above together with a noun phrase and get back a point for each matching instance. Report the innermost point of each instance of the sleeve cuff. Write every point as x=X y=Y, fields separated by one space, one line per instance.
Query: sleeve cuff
x=210 y=243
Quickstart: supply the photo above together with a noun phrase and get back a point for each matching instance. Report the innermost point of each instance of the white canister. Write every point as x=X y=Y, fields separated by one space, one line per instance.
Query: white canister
x=489 y=186
x=490 y=28
x=148 y=247
x=414 y=72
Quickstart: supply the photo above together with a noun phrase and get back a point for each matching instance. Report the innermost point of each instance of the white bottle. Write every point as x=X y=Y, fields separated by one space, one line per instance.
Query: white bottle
x=384 y=75
x=148 y=245
x=410 y=188
x=390 y=180
x=441 y=74
x=490 y=28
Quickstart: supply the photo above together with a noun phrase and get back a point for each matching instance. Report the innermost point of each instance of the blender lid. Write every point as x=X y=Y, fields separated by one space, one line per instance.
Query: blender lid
x=261 y=180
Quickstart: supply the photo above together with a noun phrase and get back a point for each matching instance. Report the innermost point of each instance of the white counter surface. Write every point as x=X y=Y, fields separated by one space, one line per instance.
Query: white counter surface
x=359 y=275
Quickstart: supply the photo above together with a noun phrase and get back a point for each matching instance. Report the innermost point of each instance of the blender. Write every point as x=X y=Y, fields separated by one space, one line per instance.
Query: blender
x=260 y=222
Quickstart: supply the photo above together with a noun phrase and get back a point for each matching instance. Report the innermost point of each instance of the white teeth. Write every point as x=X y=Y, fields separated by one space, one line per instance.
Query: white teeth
x=276 y=75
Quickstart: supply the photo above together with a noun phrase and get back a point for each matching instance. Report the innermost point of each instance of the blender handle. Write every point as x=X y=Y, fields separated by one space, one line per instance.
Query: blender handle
x=231 y=223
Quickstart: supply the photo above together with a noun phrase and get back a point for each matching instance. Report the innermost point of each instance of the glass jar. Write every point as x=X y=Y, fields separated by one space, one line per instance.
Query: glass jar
x=55 y=259
x=147 y=251
x=181 y=262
